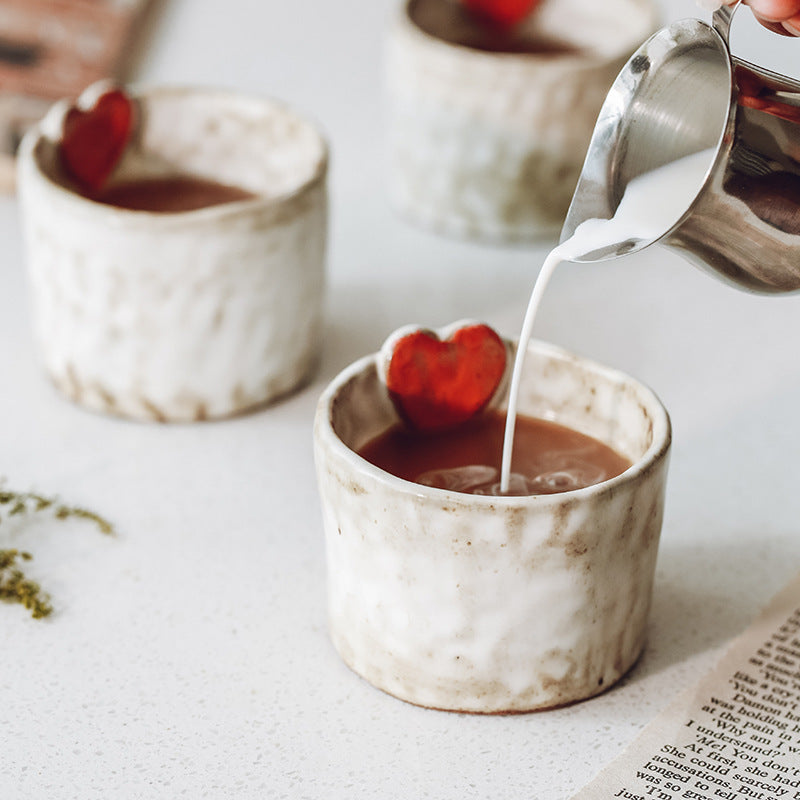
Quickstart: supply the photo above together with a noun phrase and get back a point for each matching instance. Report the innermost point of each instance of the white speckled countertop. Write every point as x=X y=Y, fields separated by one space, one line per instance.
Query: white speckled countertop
x=188 y=656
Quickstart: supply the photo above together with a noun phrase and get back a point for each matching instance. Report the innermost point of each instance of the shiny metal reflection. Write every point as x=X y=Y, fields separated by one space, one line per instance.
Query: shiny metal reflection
x=683 y=92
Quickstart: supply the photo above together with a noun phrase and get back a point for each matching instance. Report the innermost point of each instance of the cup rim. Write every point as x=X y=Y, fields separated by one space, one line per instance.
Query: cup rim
x=127 y=216
x=658 y=449
x=579 y=60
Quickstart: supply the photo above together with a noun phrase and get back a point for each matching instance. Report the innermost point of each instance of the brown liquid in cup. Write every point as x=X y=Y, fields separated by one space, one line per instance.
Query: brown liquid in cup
x=451 y=22
x=170 y=195
x=548 y=458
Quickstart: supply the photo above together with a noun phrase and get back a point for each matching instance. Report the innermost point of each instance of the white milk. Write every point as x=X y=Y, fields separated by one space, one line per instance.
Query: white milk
x=652 y=204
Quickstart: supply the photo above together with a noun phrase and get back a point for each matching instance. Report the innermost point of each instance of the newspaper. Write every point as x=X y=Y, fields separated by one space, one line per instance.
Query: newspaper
x=735 y=735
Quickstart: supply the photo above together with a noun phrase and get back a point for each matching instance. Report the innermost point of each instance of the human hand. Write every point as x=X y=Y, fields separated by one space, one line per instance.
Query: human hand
x=781 y=16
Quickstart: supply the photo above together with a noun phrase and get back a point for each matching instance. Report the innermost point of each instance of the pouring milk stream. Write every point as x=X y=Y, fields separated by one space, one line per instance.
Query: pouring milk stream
x=715 y=141
x=703 y=149
x=637 y=217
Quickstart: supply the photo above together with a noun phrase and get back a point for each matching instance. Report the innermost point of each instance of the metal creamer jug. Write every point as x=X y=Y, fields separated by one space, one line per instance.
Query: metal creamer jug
x=683 y=92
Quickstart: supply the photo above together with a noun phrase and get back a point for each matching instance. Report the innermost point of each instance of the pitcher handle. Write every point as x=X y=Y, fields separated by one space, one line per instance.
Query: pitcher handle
x=722 y=19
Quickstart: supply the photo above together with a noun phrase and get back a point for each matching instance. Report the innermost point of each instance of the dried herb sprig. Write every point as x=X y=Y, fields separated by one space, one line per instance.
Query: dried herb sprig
x=15 y=587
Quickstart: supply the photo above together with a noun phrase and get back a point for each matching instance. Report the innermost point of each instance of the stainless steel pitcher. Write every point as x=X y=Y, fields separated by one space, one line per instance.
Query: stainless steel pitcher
x=683 y=92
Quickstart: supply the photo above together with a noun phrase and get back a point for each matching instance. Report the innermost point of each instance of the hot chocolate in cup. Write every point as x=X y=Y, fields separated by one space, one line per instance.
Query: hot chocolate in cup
x=181 y=315
x=493 y=604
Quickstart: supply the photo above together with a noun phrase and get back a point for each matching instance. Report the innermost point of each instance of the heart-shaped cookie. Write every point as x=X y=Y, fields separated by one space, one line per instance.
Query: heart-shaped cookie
x=502 y=13
x=437 y=381
x=93 y=140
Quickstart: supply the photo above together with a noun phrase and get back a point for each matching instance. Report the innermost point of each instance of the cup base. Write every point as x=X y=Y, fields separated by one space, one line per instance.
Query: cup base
x=186 y=407
x=479 y=703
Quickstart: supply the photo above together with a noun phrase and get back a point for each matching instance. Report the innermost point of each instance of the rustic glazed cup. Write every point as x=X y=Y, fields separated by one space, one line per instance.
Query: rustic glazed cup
x=493 y=604
x=490 y=145
x=189 y=315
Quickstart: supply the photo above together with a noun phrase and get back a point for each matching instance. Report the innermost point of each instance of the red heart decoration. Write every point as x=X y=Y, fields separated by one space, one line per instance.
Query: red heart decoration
x=502 y=13
x=437 y=384
x=93 y=141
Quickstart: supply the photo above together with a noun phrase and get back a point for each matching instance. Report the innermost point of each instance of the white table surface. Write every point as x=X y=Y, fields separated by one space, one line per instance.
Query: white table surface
x=189 y=657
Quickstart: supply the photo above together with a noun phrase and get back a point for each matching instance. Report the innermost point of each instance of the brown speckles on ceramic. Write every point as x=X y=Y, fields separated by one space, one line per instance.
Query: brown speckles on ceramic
x=185 y=316
x=490 y=145
x=493 y=604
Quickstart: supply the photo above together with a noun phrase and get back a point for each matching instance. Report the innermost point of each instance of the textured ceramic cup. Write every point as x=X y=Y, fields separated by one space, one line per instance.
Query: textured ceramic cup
x=493 y=604
x=189 y=315
x=490 y=145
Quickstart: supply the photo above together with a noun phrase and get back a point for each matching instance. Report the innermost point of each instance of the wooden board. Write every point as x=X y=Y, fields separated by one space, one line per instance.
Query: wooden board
x=55 y=48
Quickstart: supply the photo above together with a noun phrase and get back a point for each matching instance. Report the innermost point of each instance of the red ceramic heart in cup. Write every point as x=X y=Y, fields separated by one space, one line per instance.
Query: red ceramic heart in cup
x=503 y=13
x=438 y=383
x=93 y=141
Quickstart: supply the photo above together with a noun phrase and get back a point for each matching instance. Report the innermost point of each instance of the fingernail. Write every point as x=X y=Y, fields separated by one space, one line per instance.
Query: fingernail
x=792 y=26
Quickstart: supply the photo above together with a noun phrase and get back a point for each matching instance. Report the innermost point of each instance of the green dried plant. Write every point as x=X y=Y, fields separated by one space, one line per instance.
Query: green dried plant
x=15 y=587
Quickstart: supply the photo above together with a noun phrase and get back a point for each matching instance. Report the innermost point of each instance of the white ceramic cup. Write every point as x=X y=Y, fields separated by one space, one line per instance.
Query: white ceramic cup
x=490 y=145
x=493 y=604
x=189 y=315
